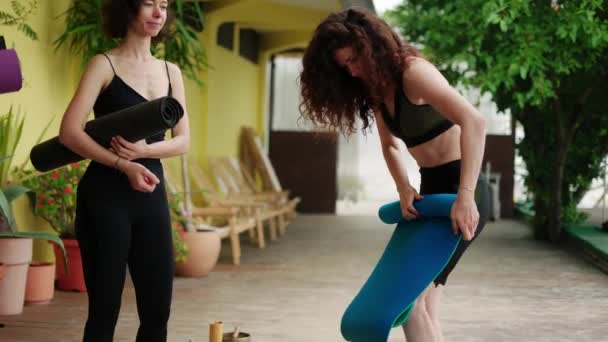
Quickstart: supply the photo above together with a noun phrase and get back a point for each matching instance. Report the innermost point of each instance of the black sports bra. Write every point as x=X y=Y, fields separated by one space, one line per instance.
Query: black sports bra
x=414 y=124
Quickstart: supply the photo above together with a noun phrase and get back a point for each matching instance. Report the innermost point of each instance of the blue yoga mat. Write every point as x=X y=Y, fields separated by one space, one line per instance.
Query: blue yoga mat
x=415 y=255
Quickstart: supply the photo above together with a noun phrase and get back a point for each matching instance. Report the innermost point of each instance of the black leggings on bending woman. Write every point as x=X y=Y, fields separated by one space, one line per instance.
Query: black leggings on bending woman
x=445 y=178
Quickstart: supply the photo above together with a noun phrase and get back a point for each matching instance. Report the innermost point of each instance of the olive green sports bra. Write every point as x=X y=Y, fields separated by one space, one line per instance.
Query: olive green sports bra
x=414 y=124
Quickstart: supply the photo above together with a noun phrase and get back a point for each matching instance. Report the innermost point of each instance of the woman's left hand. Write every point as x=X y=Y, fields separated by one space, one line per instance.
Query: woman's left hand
x=465 y=215
x=128 y=150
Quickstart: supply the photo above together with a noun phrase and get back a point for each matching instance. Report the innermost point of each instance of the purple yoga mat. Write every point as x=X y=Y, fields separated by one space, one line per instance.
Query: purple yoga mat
x=10 y=71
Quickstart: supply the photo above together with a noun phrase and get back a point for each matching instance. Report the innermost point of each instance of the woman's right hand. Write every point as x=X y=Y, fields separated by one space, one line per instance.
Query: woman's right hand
x=406 y=198
x=140 y=178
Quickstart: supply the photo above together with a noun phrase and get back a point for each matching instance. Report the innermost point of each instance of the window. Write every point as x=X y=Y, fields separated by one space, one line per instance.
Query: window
x=225 y=35
x=249 y=45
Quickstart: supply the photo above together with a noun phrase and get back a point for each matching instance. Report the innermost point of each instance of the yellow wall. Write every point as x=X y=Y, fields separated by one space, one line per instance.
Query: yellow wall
x=232 y=94
x=49 y=81
x=236 y=88
x=48 y=76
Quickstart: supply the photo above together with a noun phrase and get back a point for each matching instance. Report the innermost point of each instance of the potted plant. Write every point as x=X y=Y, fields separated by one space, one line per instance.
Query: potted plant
x=180 y=249
x=37 y=287
x=15 y=246
x=197 y=250
x=53 y=198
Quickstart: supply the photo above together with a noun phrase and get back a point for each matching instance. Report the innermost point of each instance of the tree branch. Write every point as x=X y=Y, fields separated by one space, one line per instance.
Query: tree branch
x=578 y=111
x=557 y=108
x=603 y=77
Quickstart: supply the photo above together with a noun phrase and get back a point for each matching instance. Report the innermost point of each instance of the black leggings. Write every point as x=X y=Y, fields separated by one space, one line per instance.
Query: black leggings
x=445 y=178
x=116 y=226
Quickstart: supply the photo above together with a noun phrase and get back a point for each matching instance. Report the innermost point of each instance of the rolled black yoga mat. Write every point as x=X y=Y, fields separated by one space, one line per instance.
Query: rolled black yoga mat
x=134 y=123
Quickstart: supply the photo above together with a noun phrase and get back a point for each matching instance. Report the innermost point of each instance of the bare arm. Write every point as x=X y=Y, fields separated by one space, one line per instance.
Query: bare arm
x=73 y=136
x=426 y=82
x=393 y=152
x=71 y=132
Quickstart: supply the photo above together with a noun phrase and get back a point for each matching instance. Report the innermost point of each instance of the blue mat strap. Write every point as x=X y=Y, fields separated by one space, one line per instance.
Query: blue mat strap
x=432 y=206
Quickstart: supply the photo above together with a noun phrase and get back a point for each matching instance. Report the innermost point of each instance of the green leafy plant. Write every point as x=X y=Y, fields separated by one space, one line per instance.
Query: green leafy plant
x=84 y=35
x=18 y=18
x=185 y=48
x=53 y=195
x=178 y=223
x=544 y=61
x=8 y=226
x=11 y=129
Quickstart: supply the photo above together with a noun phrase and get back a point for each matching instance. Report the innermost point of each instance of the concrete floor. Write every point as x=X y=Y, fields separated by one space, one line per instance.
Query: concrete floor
x=506 y=288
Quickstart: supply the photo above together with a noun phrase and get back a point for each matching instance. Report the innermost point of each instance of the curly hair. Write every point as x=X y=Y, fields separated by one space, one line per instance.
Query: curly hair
x=117 y=14
x=331 y=97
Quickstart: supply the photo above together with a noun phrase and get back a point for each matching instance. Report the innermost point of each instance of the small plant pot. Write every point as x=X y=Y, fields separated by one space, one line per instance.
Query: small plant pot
x=16 y=255
x=40 y=286
x=204 y=250
x=74 y=279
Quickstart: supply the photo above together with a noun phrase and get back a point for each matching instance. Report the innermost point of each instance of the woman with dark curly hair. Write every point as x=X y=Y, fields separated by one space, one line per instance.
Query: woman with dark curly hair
x=357 y=67
x=122 y=212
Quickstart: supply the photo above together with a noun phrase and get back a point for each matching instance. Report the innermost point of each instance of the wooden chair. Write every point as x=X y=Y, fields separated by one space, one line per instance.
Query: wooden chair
x=227 y=194
x=237 y=220
x=254 y=161
x=265 y=210
x=278 y=199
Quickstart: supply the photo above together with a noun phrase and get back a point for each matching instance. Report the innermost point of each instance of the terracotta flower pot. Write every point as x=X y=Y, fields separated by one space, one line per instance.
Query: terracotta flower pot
x=203 y=249
x=40 y=286
x=16 y=255
x=74 y=281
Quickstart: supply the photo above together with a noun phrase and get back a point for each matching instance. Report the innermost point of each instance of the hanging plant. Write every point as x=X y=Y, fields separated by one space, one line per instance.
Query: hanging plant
x=184 y=46
x=84 y=35
x=18 y=18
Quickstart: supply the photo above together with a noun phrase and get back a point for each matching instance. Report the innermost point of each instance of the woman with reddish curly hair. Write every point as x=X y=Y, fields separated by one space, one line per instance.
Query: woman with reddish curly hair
x=357 y=67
